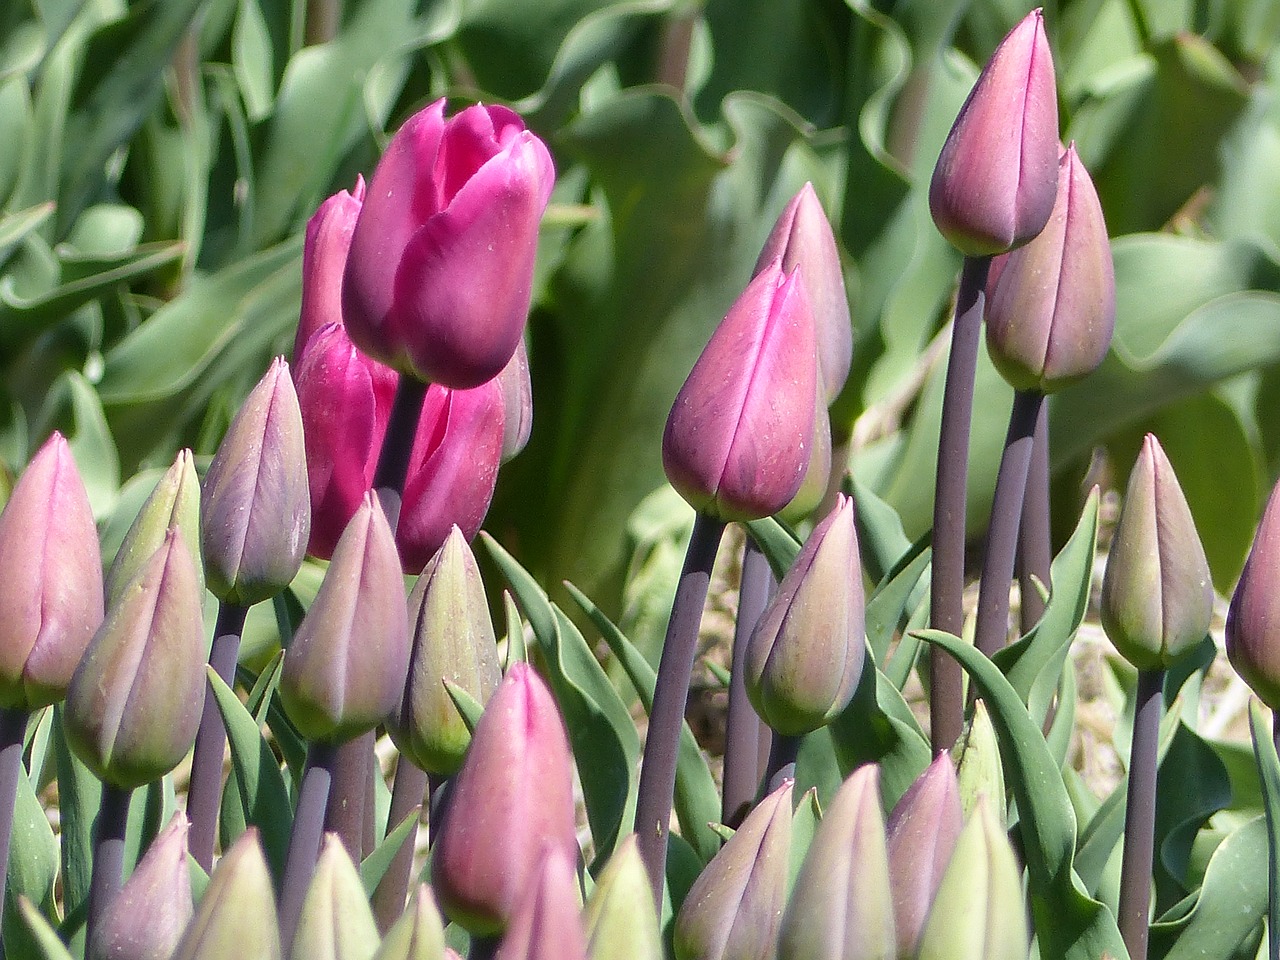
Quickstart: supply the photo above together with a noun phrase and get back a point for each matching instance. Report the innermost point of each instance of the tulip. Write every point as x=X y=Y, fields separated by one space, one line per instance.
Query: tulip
x=842 y=905
x=135 y=699
x=817 y=475
x=1253 y=619
x=513 y=795
x=547 y=924
x=237 y=914
x=736 y=444
x=453 y=640
x=978 y=912
x=146 y=920
x=995 y=180
x=345 y=400
x=256 y=510
x=345 y=667
x=175 y=501
x=921 y=833
x=803 y=236
x=805 y=657
x=734 y=908
x=517 y=403
x=336 y=923
x=1051 y=304
x=418 y=934
x=1157 y=595
x=620 y=918
x=440 y=273
x=324 y=258
x=51 y=591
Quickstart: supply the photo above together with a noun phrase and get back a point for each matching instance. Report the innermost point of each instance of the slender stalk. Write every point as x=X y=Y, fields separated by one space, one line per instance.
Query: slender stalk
x=407 y=793
x=1035 y=548
x=992 y=629
x=658 y=769
x=1140 y=815
x=742 y=728
x=1273 y=894
x=946 y=603
x=483 y=948
x=345 y=812
x=204 y=795
x=13 y=729
x=108 y=858
x=784 y=753
x=304 y=841
x=324 y=17
x=397 y=446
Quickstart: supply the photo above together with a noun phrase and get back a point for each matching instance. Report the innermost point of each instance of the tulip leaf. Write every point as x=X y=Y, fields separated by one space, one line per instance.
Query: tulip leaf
x=78 y=795
x=881 y=541
x=469 y=708
x=72 y=406
x=1070 y=925
x=1191 y=786
x=33 y=866
x=256 y=780
x=374 y=867
x=888 y=602
x=697 y=800
x=776 y=542
x=41 y=936
x=515 y=631
x=14 y=226
x=1264 y=749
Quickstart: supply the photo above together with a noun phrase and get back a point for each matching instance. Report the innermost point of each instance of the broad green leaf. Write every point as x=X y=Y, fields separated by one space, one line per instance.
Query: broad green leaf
x=44 y=938
x=15 y=226
x=252 y=60
x=1069 y=923
x=780 y=545
x=1191 y=786
x=881 y=540
x=78 y=793
x=33 y=867
x=72 y=406
x=889 y=600
x=1264 y=748
x=469 y=708
x=374 y=867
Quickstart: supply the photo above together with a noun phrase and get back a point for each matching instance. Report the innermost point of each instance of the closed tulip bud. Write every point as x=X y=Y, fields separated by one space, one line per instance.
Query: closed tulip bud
x=547 y=924
x=994 y=184
x=1157 y=596
x=513 y=795
x=236 y=916
x=453 y=469
x=805 y=656
x=517 y=403
x=418 y=934
x=51 y=590
x=175 y=502
x=336 y=922
x=978 y=772
x=737 y=441
x=440 y=274
x=1253 y=619
x=345 y=667
x=842 y=904
x=817 y=476
x=1051 y=305
x=135 y=699
x=324 y=258
x=803 y=236
x=346 y=401
x=147 y=917
x=978 y=912
x=922 y=832
x=734 y=908
x=256 y=511
x=453 y=640
x=621 y=921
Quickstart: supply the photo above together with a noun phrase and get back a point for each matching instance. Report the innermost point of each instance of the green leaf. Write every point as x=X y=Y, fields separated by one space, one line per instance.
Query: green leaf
x=1264 y=748
x=43 y=937
x=258 y=783
x=72 y=406
x=469 y=708
x=251 y=60
x=33 y=867
x=881 y=540
x=779 y=545
x=1069 y=923
x=15 y=226
x=374 y=867
x=888 y=602
x=1191 y=786
x=78 y=794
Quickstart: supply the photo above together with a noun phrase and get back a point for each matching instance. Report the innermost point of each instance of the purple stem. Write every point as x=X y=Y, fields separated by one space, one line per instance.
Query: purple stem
x=992 y=629
x=1140 y=815
x=204 y=795
x=671 y=691
x=785 y=752
x=109 y=829
x=946 y=610
x=1035 y=549
x=742 y=728
x=1273 y=894
x=13 y=729
x=406 y=794
x=304 y=841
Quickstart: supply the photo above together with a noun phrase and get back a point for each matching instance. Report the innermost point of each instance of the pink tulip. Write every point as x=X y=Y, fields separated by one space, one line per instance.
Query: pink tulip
x=324 y=258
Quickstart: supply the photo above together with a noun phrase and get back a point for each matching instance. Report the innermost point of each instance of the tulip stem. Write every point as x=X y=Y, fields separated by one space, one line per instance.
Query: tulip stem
x=483 y=948
x=345 y=813
x=992 y=629
x=13 y=730
x=204 y=795
x=742 y=728
x=304 y=840
x=407 y=793
x=671 y=691
x=785 y=752
x=1140 y=814
x=1035 y=550
x=397 y=446
x=1273 y=892
x=109 y=829
x=946 y=603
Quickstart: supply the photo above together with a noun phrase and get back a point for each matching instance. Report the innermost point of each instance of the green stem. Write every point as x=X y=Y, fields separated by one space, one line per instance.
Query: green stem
x=1140 y=815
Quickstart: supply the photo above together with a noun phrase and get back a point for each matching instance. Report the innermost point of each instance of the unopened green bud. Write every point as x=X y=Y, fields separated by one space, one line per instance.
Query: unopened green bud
x=237 y=914
x=842 y=904
x=734 y=908
x=978 y=913
x=978 y=768
x=622 y=923
x=134 y=704
x=418 y=934
x=147 y=917
x=175 y=502
x=336 y=922
x=453 y=640
x=256 y=512
x=547 y=924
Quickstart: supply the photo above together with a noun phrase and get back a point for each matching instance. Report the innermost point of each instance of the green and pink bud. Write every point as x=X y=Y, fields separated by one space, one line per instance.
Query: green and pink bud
x=418 y=934
x=324 y=260
x=236 y=916
x=547 y=924
x=336 y=922
x=621 y=920
x=1253 y=619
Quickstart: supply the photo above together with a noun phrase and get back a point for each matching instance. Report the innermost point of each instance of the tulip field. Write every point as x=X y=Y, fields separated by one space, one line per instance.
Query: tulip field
x=639 y=479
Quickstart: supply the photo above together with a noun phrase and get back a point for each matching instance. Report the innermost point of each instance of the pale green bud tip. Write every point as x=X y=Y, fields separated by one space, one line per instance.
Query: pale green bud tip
x=621 y=921
x=336 y=922
x=236 y=916
x=418 y=934
x=1253 y=619
x=977 y=757
x=1157 y=595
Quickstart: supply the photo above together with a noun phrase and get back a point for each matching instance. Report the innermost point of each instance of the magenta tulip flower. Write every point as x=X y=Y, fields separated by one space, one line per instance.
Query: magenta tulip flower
x=440 y=274
x=324 y=258
x=1253 y=619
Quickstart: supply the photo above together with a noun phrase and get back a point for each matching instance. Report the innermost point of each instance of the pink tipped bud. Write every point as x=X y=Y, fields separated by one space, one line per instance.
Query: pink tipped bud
x=1253 y=620
x=324 y=258
x=548 y=921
